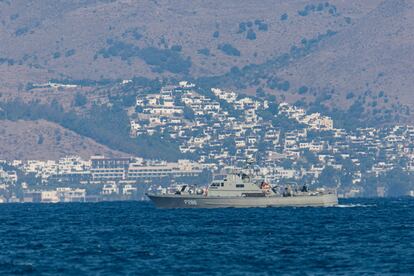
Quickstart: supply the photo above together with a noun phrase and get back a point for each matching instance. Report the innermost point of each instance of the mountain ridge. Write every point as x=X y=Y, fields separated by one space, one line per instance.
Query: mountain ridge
x=332 y=57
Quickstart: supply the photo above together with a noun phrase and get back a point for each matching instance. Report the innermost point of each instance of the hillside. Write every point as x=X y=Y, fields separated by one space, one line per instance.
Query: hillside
x=45 y=140
x=121 y=39
x=334 y=57
x=374 y=57
x=77 y=39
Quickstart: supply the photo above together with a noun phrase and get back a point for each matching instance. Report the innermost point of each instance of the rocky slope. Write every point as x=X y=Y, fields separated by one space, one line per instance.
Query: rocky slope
x=323 y=55
x=45 y=140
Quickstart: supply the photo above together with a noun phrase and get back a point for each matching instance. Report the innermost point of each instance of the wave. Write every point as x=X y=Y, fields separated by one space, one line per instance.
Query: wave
x=355 y=205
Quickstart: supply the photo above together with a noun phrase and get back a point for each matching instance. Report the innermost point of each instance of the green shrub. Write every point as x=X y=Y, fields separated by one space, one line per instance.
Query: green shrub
x=284 y=86
x=350 y=95
x=303 y=90
x=242 y=27
x=204 y=51
x=229 y=50
x=21 y=31
x=251 y=35
x=70 y=52
x=261 y=25
x=176 y=48
x=162 y=59
x=80 y=100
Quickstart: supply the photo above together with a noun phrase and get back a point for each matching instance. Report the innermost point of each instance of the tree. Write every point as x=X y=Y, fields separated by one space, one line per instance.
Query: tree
x=398 y=182
x=128 y=100
x=287 y=163
x=273 y=108
x=79 y=100
x=346 y=179
x=229 y=49
x=260 y=92
x=284 y=86
x=328 y=177
x=230 y=145
x=369 y=185
x=188 y=113
x=303 y=89
x=310 y=157
x=40 y=139
x=285 y=123
x=265 y=114
x=251 y=35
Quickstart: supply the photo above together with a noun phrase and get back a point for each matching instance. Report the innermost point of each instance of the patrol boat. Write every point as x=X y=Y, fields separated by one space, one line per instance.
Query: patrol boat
x=237 y=189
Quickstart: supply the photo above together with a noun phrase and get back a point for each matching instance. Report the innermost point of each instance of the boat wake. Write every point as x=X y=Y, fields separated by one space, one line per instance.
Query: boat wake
x=355 y=205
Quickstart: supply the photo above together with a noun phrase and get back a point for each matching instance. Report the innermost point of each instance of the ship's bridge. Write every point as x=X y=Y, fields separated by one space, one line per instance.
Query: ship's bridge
x=236 y=184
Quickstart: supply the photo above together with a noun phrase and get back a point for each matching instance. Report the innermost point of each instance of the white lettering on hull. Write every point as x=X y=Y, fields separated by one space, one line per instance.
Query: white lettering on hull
x=191 y=202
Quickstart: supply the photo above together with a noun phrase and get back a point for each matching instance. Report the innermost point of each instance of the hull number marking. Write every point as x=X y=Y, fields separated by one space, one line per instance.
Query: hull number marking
x=190 y=202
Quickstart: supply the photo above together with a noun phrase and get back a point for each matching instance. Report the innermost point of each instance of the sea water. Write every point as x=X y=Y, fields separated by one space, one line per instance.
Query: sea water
x=357 y=237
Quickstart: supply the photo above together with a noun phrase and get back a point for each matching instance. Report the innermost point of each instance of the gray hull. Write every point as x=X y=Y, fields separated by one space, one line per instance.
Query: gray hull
x=182 y=201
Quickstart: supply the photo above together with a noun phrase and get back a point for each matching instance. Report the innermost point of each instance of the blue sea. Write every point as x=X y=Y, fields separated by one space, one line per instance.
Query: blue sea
x=359 y=237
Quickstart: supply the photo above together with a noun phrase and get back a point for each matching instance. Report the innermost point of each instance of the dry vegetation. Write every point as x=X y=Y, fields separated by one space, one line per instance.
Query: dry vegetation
x=45 y=140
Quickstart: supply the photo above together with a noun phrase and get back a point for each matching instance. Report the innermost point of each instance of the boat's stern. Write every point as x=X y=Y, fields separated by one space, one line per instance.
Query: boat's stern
x=330 y=200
